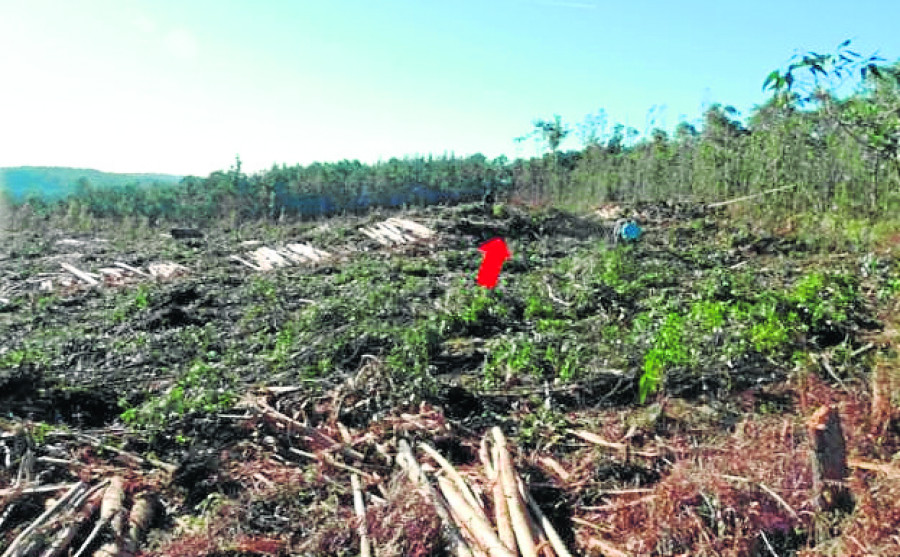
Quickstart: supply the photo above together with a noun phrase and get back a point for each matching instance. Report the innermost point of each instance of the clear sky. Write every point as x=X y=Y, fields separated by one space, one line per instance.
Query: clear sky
x=183 y=86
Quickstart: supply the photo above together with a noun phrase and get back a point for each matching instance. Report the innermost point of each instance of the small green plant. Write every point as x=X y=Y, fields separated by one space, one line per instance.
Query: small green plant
x=668 y=350
x=202 y=388
x=141 y=297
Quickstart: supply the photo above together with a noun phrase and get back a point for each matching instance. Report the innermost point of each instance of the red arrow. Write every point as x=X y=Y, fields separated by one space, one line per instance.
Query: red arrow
x=495 y=253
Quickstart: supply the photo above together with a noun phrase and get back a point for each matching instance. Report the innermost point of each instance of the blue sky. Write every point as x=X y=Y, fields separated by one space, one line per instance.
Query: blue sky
x=183 y=86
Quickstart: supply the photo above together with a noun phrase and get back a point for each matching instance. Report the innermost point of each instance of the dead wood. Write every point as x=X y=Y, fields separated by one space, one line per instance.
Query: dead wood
x=111 y=504
x=359 y=507
x=599 y=441
x=473 y=521
x=544 y=523
x=517 y=514
x=410 y=465
x=86 y=277
x=16 y=547
x=829 y=459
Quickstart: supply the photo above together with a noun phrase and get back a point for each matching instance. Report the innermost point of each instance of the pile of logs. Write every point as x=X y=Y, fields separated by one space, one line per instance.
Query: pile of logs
x=505 y=524
x=266 y=258
x=395 y=232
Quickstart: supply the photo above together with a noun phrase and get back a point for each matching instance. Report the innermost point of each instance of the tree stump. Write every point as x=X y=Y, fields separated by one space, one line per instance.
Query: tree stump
x=829 y=460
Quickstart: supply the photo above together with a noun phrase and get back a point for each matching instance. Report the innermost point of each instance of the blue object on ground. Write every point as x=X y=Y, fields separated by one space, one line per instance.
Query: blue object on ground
x=631 y=231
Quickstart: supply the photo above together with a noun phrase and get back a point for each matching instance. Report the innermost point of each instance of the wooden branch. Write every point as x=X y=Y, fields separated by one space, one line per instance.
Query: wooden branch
x=408 y=462
x=472 y=521
x=245 y=262
x=359 y=507
x=73 y=493
x=309 y=432
x=517 y=514
x=544 y=523
x=888 y=470
x=83 y=515
x=80 y=274
x=747 y=197
x=134 y=270
x=597 y=440
x=777 y=498
x=35 y=489
x=110 y=505
x=606 y=548
x=453 y=474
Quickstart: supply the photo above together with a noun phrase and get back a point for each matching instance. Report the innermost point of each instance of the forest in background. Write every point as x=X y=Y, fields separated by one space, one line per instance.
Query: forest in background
x=821 y=151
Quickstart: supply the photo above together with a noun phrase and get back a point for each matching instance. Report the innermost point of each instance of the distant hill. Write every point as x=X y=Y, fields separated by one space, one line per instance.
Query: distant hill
x=52 y=182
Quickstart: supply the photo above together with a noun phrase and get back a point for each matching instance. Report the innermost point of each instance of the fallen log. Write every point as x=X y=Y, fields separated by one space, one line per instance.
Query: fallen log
x=86 y=277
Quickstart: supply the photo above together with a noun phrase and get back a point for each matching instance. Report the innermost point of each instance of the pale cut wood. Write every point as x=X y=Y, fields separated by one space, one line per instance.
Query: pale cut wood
x=247 y=263
x=166 y=269
x=454 y=475
x=309 y=252
x=544 y=523
x=376 y=236
x=410 y=465
x=35 y=489
x=359 y=507
x=556 y=467
x=291 y=256
x=888 y=470
x=606 y=548
x=86 y=277
x=73 y=493
x=881 y=400
x=501 y=509
x=271 y=256
x=405 y=238
x=748 y=197
x=84 y=513
x=414 y=227
x=517 y=514
x=597 y=440
x=829 y=459
x=110 y=505
x=134 y=270
x=472 y=521
x=390 y=234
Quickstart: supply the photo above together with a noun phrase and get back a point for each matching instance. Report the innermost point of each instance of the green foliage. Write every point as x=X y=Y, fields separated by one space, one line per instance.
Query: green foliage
x=19 y=358
x=203 y=387
x=824 y=299
x=668 y=350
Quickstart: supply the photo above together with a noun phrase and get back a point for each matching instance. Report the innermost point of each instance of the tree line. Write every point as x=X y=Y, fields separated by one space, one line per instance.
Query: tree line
x=822 y=151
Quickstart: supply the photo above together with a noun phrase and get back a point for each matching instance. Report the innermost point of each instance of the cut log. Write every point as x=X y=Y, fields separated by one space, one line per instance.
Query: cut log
x=134 y=270
x=375 y=236
x=829 y=460
x=392 y=235
x=271 y=256
x=308 y=251
x=86 y=277
x=166 y=270
x=414 y=227
x=245 y=262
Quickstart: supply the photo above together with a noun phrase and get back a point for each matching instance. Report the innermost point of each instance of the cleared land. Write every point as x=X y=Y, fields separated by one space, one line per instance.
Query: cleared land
x=654 y=395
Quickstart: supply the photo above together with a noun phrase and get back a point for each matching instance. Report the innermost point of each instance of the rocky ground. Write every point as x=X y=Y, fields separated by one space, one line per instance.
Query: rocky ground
x=654 y=396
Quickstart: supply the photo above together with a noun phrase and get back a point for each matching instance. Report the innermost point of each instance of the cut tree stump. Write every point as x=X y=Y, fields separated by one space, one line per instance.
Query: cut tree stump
x=829 y=460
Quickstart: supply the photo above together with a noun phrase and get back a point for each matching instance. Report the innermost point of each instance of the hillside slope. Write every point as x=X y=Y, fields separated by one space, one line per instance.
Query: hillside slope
x=56 y=182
